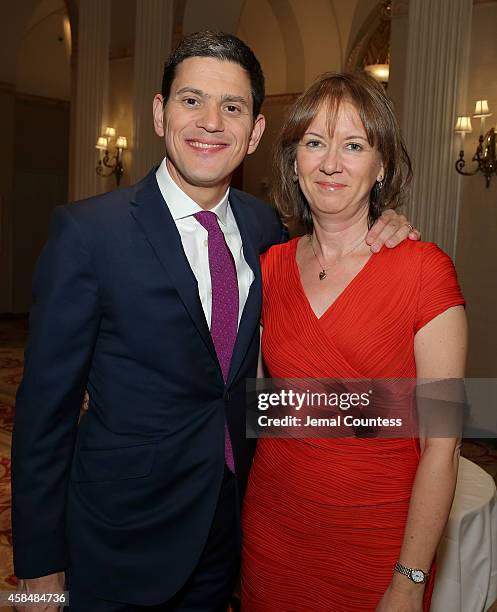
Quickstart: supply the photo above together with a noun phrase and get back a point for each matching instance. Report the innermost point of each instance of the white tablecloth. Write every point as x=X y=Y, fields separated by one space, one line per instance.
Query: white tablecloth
x=466 y=578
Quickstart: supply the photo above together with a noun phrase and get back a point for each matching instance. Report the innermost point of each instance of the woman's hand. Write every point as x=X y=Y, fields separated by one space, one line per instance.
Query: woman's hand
x=395 y=599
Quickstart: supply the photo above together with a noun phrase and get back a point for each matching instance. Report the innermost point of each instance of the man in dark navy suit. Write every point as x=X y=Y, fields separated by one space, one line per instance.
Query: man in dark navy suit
x=151 y=296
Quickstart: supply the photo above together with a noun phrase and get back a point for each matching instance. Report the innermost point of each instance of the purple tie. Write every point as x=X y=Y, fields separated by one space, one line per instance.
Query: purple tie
x=225 y=304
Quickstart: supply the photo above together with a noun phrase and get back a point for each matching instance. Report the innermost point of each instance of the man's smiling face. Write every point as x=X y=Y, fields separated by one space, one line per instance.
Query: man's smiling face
x=208 y=126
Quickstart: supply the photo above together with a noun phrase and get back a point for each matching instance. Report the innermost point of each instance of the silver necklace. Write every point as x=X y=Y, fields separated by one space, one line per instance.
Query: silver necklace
x=323 y=272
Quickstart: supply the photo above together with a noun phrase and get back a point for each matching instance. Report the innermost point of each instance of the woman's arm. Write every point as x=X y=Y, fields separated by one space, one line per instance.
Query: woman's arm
x=440 y=352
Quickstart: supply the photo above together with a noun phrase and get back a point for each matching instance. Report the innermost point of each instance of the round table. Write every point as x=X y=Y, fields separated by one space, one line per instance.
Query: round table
x=466 y=575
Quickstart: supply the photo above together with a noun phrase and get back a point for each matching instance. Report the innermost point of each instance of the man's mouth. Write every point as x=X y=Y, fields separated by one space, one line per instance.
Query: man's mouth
x=206 y=146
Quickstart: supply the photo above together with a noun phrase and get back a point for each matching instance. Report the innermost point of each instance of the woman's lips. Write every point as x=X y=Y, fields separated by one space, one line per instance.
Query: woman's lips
x=330 y=186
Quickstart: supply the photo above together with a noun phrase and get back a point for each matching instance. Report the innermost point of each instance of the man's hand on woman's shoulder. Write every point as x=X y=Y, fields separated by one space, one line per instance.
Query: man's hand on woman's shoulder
x=390 y=229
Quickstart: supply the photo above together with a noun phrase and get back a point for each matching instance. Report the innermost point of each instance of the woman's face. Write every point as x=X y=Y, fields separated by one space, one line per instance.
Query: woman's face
x=337 y=171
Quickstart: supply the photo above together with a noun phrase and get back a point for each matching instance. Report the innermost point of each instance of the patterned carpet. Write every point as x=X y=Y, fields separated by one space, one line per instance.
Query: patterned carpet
x=12 y=338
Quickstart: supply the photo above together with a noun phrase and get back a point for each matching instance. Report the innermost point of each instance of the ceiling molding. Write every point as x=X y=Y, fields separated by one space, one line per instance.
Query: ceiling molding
x=41 y=100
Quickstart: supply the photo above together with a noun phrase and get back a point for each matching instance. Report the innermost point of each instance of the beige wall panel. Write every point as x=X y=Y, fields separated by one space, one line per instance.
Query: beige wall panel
x=322 y=39
x=40 y=184
x=257 y=167
x=260 y=29
x=221 y=15
x=7 y=110
x=477 y=238
x=363 y=9
x=123 y=15
x=13 y=19
x=43 y=61
x=120 y=112
x=398 y=55
x=154 y=28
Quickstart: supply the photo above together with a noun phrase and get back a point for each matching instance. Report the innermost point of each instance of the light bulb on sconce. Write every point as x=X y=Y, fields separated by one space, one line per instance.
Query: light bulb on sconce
x=380 y=72
x=481 y=112
x=463 y=127
x=111 y=164
x=102 y=143
x=485 y=155
x=121 y=142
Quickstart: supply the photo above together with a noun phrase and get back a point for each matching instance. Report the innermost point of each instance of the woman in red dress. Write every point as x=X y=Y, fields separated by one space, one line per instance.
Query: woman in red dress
x=349 y=524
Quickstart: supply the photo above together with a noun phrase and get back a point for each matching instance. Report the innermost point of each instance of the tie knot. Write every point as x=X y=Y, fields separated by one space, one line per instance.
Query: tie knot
x=208 y=219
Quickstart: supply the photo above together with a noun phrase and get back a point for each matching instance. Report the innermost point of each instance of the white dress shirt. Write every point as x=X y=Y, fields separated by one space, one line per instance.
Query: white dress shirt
x=194 y=239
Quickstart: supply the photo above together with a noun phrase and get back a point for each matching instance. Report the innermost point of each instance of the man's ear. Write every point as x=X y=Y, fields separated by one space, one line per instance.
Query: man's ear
x=257 y=132
x=158 y=110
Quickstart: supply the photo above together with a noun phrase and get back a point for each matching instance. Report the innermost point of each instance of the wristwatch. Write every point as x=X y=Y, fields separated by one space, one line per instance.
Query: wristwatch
x=416 y=575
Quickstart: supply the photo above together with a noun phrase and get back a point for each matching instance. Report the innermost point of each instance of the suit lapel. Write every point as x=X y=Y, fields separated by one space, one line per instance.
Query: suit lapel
x=153 y=216
x=252 y=310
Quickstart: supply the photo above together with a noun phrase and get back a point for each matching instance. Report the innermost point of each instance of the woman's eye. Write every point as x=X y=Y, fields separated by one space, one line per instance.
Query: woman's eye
x=354 y=146
x=312 y=144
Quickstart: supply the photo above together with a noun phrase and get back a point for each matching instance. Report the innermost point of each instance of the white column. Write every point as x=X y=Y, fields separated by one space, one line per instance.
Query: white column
x=153 y=34
x=91 y=90
x=436 y=83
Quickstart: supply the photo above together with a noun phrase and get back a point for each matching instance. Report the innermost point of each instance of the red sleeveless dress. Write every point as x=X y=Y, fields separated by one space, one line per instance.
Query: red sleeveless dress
x=323 y=519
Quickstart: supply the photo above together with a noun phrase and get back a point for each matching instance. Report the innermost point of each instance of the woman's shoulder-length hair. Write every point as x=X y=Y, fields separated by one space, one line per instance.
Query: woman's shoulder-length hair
x=377 y=115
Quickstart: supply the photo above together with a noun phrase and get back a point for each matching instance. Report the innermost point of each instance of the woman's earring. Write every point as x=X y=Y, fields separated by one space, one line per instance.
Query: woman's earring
x=295 y=176
x=380 y=184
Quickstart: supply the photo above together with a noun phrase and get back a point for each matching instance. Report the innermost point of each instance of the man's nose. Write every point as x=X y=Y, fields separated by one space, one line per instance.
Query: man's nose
x=211 y=118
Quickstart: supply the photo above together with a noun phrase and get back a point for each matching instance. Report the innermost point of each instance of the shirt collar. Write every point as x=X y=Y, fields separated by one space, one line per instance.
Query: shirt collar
x=181 y=205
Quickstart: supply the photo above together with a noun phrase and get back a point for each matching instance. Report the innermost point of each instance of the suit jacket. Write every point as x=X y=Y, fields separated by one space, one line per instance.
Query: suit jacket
x=128 y=496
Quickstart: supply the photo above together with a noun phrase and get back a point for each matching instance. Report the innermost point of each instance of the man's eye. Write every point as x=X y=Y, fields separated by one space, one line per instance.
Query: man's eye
x=190 y=101
x=231 y=108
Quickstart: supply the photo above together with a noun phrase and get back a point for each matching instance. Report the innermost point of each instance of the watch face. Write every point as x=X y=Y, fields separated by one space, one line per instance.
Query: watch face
x=417 y=575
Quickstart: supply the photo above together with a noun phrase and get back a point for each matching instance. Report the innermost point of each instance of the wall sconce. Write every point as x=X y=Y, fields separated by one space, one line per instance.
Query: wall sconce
x=485 y=154
x=379 y=67
x=380 y=72
x=107 y=164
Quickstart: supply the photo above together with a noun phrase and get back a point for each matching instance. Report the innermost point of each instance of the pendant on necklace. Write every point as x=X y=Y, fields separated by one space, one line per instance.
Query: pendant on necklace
x=322 y=275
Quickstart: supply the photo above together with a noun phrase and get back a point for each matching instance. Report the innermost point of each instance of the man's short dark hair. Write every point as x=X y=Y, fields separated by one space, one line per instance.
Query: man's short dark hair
x=221 y=46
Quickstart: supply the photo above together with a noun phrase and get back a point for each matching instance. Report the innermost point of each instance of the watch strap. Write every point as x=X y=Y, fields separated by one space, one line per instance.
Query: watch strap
x=407 y=571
